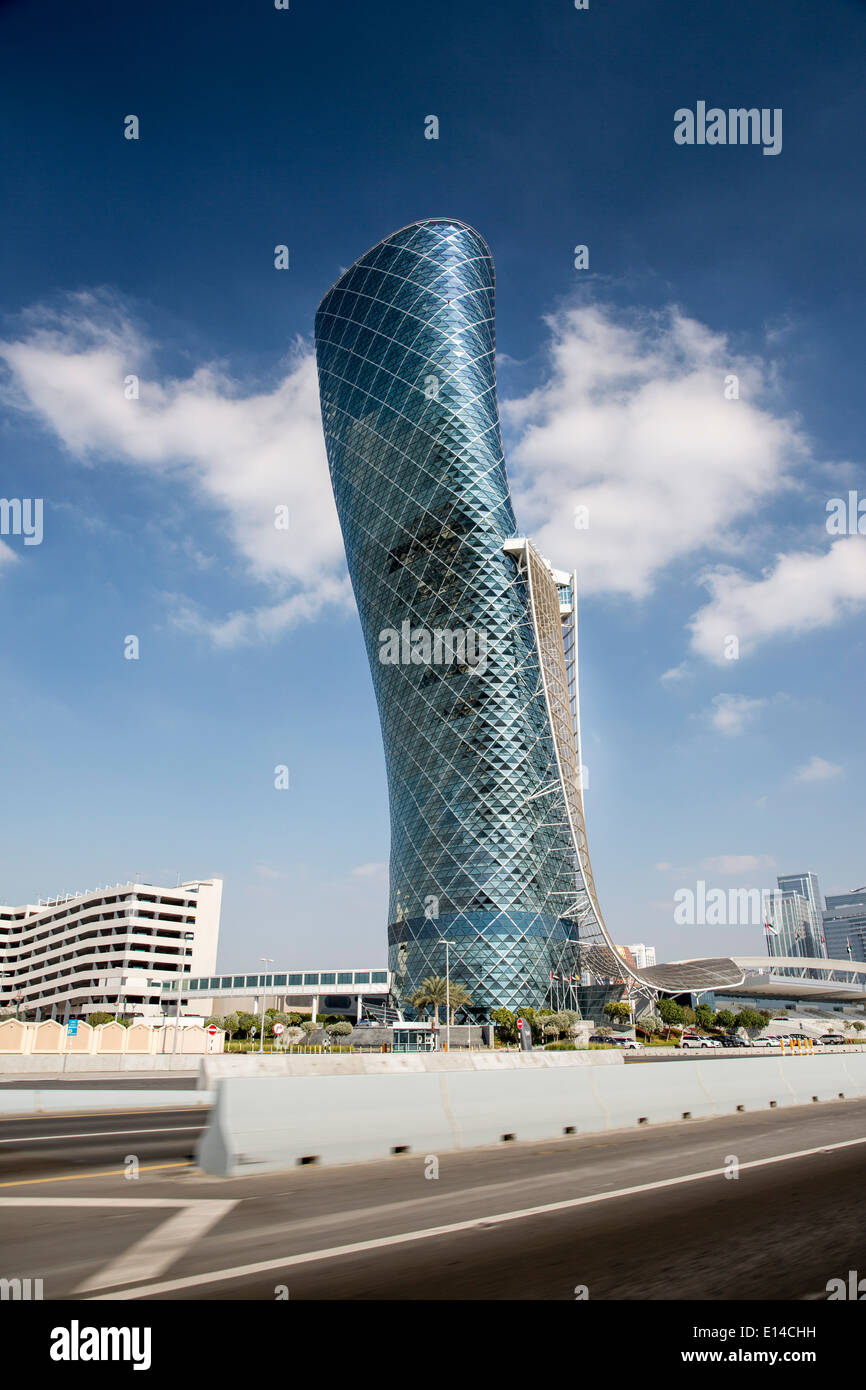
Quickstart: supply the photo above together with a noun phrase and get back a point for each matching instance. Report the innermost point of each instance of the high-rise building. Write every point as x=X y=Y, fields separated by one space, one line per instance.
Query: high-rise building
x=644 y=956
x=470 y=633
x=111 y=949
x=807 y=886
x=793 y=930
x=845 y=925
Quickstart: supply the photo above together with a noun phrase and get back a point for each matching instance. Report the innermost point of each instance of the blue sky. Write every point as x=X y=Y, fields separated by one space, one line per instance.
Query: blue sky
x=707 y=516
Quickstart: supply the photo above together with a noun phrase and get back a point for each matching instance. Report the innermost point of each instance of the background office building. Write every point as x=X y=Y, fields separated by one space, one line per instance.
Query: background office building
x=797 y=928
x=488 y=845
x=108 y=950
x=643 y=956
x=845 y=925
x=807 y=886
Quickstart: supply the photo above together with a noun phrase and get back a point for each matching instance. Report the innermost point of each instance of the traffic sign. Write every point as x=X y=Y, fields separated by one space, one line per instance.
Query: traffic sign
x=72 y=1028
x=278 y=1029
x=213 y=1030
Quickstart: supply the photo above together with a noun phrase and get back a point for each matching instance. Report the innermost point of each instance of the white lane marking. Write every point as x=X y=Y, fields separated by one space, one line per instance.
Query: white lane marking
x=98 y=1134
x=94 y=1201
x=475 y=1223
x=151 y=1256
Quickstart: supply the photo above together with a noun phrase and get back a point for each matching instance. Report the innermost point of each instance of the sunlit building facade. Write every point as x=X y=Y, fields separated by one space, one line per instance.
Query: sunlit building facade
x=470 y=633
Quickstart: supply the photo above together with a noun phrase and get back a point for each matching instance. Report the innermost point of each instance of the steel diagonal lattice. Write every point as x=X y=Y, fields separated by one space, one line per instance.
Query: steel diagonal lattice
x=488 y=842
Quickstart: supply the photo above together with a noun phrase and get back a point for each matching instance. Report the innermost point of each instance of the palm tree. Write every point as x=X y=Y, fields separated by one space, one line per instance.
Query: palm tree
x=459 y=997
x=431 y=993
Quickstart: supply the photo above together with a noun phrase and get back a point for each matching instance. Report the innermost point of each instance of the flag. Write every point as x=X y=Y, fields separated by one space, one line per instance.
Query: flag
x=770 y=928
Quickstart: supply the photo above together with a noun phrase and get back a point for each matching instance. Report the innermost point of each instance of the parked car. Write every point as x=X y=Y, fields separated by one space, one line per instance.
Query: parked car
x=732 y=1041
x=695 y=1040
x=613 y=1040
x=833 y=1040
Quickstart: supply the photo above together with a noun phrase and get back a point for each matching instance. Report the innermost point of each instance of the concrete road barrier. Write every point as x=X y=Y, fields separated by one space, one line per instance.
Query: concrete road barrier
x=266 y=1122
x=394 y=1063
x=74 y=1065
x=72 y=1100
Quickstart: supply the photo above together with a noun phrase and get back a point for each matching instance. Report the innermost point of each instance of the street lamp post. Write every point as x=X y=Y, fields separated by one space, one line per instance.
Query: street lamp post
x=187 y=936
x=447 y=945
x=267 y=961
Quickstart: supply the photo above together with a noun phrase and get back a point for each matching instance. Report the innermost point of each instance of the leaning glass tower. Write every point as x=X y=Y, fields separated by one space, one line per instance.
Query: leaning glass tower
x=470 y=634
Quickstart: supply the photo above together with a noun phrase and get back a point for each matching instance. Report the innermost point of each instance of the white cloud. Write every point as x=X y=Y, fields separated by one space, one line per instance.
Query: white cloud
x=817 y=770
x=244 y=454
x=804 y=591
x=632 y=423
x=735 y=865
x=676 y=673
x=374 y=870
x=265 y=871
x=731 y=714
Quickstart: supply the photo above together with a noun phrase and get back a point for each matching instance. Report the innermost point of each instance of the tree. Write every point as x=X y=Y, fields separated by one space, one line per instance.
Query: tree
x=506 y=1025
x=725 y=1019
x=277 y=1016
x=459 y=997
x=688 y=1014
x=752 y=1020
x=618 y=1010
x=245 y=1023
x=859 y=1026
x=340 y=1030
x=100 y=1017
x=431 y=994
x=649 y=1025
x=308 y=1026
x=705 y=1016
x=228 y=1024
x=553 y=1025
x=671 y=1013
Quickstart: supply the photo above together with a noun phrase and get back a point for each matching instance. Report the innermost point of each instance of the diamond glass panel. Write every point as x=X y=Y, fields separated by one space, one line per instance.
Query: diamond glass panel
x=482 y=852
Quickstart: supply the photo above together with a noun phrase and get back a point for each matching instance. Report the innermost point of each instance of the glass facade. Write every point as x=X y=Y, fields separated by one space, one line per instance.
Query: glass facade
x=806 y=885
x=482 y=836
x=845 y=925
x=310 y=980
x=795 y=931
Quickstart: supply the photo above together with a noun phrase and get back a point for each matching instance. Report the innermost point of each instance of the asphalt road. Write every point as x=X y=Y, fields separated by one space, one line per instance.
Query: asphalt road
x=44 y=1146
x=641 y=1214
